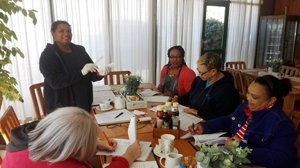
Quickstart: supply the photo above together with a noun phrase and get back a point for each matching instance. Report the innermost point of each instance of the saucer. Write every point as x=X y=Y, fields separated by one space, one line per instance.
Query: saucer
x=110 y=107
x=158 y=153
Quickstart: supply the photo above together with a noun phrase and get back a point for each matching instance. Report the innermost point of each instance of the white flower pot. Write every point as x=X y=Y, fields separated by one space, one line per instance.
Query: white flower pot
x=275 y=74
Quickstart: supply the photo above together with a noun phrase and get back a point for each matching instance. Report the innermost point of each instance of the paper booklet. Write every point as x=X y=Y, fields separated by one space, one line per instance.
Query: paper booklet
x=203 y=138
x=109 y=118
x=101 y=58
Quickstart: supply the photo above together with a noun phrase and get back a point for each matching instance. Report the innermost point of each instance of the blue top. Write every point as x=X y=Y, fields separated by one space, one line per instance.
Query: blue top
x=271 y=135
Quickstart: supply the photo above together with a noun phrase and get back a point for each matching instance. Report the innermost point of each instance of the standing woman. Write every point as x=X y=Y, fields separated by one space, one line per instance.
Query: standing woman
x=176 y=78
x=68 y=71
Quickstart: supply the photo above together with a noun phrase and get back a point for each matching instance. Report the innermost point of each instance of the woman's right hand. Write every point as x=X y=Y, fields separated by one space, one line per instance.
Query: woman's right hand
x=197 y=130
x=90 y=67
x=174 y=99
x=133 y=152
x=161 y=88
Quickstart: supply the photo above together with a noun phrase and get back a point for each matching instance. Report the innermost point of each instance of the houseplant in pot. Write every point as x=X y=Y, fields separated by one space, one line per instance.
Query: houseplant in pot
x=211 y=156
x=132 y=84
x=276 y=65
x=8 y=83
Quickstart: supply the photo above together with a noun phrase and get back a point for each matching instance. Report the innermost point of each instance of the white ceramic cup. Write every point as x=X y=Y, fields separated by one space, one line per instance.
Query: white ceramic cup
x=104 y=105
x=172 y=160
x=166 y=143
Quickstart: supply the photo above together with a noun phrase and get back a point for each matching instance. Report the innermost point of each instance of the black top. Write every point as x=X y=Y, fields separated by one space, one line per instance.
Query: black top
x=64 y=84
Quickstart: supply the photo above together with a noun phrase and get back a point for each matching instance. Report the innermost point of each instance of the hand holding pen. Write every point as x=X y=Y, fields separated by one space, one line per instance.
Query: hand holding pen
x=108 y=144
x=196 y=129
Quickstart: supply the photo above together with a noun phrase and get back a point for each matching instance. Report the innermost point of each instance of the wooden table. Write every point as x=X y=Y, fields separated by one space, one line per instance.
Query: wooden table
x=145 y=133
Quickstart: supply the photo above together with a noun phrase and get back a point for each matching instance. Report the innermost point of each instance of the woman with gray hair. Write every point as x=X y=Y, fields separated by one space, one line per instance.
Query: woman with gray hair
x=212 y=93
x=64 y=138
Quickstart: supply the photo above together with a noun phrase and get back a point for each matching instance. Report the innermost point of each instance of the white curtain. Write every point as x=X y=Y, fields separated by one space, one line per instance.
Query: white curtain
x=179 y=22
x=121 y=31
x=31 y=41
x=242 y=31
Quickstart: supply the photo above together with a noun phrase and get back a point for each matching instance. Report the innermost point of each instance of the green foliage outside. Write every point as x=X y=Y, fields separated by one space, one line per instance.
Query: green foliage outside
x=212 y=156
x=132 y=84
x=213 y=34
x=8 y=83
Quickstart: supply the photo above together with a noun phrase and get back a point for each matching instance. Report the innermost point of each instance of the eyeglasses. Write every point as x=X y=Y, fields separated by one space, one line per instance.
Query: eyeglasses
x=176 y=57
x=201 y=74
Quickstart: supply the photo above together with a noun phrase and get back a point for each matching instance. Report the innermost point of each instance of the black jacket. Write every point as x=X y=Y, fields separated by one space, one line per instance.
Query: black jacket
x=64 y=84
x=219 y=99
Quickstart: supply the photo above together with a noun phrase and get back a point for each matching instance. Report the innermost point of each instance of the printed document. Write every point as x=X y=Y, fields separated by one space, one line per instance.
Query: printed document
x=109 y=118
x=103 y=95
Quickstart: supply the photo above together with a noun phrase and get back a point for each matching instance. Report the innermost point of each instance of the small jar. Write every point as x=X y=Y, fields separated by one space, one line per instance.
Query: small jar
x=175 y=108
x=168 y=107
x=165 y=116
x=159 y=112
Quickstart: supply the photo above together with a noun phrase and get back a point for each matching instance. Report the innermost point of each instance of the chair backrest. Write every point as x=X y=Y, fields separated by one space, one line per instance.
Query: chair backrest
x=8 y=121
x=288 y=70
x=36 y=91
x=238 y=80
x=119 y=75
x=295 y=117
x=297 y=73
x=236 y=65
x=247 y=79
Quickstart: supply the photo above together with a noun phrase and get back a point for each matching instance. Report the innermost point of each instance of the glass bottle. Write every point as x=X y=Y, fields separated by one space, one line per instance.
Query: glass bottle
x=159 y=112
x=174 y=109
x=165 y=117
x=168 y=106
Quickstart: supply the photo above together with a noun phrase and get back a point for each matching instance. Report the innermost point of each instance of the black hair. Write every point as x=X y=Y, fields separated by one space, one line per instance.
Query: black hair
x=275 y=87
x=180 y=49
x=56 y=23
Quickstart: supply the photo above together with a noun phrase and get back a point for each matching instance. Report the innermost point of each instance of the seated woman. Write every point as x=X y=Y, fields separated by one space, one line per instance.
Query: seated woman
x=65 y=138
x=212 y=94
x=260 y=124
x=175 y=77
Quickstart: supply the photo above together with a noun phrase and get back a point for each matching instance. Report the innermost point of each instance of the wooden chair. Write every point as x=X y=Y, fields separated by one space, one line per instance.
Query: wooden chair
x=238 y=83
x=8 y=121
x=247 y=79
x=297 y=73
x=295 y=117
x=37 y=89
x=287 y=70
x=236 y=65
x=119 y=75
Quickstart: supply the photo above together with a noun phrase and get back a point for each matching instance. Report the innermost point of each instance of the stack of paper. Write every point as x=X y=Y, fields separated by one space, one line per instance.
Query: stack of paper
x=148 y=93
x=213 y=138
x=110 y=118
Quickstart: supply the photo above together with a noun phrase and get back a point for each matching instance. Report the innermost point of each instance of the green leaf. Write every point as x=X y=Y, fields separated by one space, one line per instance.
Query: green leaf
x=3 y=41
x=7 y=37
x=14 y=35
x=34 y=21
x=31 y=14
x=14 y=52
x=24 y=12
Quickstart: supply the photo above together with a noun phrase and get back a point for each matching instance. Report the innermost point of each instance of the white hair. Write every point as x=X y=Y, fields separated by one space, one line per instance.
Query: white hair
x=66 y=132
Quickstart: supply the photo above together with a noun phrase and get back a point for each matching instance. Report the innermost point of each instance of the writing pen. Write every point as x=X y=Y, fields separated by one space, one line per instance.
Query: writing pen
x=107 y=139
x=194 y=127
x=119 y=115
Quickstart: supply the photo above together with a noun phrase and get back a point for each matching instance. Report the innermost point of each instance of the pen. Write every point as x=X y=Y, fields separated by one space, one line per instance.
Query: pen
x=107 y=139
x=118 y=115
x=194 y=127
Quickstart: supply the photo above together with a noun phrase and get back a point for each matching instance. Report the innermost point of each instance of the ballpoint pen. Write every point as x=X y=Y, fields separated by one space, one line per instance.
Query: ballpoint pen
x=107 y=139
x=119 y=115
x=194 y=127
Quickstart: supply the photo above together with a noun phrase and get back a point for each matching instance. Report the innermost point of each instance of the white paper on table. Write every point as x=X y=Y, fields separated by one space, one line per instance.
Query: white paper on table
x=297 y=87
x=101 y=88
x=205 y=137
x=110 y=117
x=156 y=98
x=132 y=129
x=99 y=96
x=148 y=93
x=186 y=120
x=147 y=164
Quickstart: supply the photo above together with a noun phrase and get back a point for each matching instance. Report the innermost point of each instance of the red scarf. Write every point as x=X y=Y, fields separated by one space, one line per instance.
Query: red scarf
x=242 y=130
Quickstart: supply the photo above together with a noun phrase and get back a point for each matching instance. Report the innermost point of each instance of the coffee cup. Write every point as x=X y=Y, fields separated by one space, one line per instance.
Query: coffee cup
x=166 y=143
x=104 y=105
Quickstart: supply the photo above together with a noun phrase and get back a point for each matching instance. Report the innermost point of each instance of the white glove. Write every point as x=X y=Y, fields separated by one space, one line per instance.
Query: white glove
x=90 y=67
x=104 y=70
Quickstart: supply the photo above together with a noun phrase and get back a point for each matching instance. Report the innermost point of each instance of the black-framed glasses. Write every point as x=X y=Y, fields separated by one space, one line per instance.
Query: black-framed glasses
x=201 y=74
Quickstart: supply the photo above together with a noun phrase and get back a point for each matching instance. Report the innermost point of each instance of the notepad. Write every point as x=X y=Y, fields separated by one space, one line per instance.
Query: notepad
x=109 y=118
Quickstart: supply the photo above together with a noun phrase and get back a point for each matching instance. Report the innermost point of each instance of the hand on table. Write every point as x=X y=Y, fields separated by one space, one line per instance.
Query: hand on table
x=104 y=145
x=168 y=93
x=174 y=99
x=197 y=130
x=104 y=70
x=90 y=67
x=230 y=140
x=133 y=152
x=160 y=88
x=190 y=111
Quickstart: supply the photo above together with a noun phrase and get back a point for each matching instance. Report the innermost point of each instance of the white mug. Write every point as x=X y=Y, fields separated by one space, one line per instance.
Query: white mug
x=104 y=105
x=166 y=143
x=172 y=160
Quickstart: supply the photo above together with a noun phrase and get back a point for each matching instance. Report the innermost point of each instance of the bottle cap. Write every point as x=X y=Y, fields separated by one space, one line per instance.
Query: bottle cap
x=168 y=104
x=160 y=107
x=175 y=104
x=165 y=110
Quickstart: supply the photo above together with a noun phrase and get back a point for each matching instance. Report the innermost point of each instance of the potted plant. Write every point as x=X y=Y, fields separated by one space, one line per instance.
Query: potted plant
x=211 y=156
x=132 y=84
x=8 y=83
x=276 y=65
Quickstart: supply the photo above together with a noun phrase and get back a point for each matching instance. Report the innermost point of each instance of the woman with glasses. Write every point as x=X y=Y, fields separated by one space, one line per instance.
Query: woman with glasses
x=176 y=78
x=212 y=93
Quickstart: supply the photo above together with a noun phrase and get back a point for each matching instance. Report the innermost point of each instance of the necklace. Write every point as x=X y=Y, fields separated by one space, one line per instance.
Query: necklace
x=174 y=73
